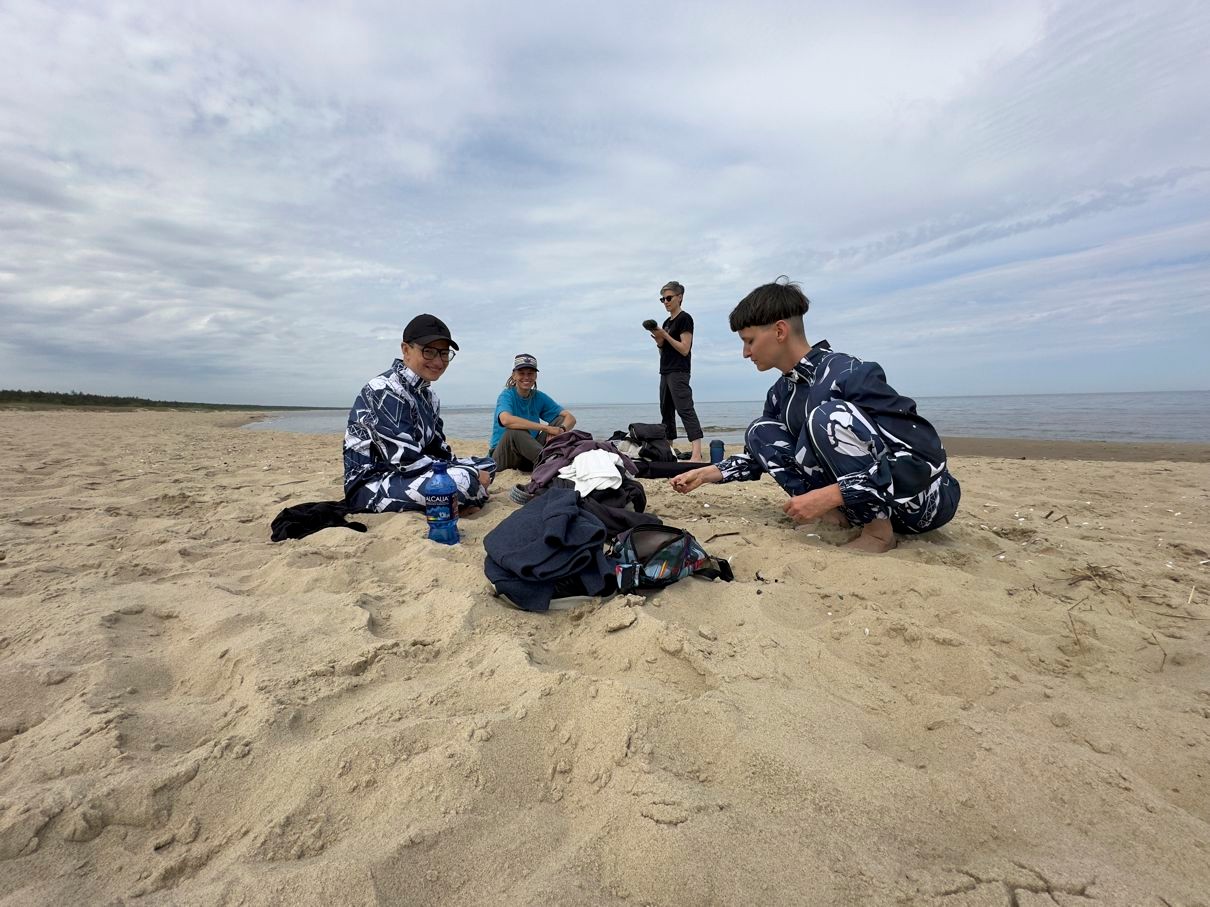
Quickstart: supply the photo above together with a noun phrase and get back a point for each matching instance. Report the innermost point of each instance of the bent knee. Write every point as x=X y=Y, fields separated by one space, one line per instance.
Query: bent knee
x=764 y=431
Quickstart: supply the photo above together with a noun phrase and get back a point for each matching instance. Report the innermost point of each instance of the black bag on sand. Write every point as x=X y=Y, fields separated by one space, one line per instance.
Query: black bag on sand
x=649 y=470
x=652 y=557
x=653 y=442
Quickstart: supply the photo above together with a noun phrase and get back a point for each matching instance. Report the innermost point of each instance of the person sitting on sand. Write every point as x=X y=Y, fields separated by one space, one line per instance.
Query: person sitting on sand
x=846 y=447
x=395 y=431
x=523 y=415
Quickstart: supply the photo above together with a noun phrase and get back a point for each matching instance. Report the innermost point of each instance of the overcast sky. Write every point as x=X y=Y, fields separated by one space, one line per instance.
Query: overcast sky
x=245 y=202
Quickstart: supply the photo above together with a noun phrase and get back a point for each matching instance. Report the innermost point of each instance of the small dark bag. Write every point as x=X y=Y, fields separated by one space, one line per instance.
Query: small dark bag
x=652 y=557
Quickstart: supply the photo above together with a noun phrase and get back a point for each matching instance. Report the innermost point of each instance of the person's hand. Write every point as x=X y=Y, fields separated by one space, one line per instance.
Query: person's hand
x=485 y=478
x=695 y=478
x=804 y=508
x=553 y=430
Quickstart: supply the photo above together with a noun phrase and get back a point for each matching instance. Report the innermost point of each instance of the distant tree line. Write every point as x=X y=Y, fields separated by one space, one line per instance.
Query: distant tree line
x=102 y=401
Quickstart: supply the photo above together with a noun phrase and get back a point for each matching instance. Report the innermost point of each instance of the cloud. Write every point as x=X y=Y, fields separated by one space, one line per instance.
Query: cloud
x=245 y=202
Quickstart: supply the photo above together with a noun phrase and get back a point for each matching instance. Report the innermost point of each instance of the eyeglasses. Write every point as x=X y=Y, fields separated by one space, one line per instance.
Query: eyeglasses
x=431 y=352
x=667 y=298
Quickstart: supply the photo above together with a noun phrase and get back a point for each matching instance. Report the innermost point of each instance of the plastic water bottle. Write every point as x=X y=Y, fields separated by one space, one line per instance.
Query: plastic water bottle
x=716 y=451
x=441 y=504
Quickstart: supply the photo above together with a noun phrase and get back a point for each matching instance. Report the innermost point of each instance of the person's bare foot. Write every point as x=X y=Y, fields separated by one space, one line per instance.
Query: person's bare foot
x=876 y=538
x=834 y=518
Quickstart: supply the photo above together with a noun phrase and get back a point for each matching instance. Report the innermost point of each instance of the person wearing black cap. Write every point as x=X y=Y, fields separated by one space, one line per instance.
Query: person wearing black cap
x=524 y=415
x=395 y=431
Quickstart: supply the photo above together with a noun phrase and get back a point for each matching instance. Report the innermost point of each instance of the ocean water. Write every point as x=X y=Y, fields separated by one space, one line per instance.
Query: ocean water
x=1176 y=416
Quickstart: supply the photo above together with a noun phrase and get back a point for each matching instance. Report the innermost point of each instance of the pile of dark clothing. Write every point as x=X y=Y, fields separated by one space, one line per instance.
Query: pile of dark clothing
x=554 y=545
x=618 y=508
x=561 y=451
x=549 y=541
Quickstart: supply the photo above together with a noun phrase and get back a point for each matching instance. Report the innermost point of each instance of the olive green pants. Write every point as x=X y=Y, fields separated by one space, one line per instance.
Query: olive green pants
x=518 y=449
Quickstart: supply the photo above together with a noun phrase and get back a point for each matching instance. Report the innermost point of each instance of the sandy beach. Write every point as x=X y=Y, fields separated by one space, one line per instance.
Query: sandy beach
x=1013 y=710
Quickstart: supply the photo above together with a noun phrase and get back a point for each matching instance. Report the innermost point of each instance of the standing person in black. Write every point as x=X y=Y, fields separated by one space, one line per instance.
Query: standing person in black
x=675 y=340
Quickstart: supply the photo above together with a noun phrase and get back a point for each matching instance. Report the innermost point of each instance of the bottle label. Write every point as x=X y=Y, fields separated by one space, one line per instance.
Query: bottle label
x=440 y=507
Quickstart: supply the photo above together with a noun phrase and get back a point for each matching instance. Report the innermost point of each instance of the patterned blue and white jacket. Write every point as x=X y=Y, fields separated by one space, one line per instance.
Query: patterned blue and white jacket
x=915 y=454
x=393 y=436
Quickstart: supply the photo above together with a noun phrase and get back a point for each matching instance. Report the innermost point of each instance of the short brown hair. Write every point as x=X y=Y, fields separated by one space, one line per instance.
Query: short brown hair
x=675 y=287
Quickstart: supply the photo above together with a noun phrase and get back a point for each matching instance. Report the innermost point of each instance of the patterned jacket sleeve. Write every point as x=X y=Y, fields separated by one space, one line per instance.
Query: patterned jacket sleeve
x=744 y=467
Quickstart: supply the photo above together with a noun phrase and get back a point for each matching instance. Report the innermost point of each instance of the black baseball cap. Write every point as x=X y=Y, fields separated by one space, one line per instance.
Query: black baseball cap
x=425 y=328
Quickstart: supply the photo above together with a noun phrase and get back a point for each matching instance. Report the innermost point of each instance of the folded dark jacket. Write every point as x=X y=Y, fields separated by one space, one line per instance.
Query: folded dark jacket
x=548 y=539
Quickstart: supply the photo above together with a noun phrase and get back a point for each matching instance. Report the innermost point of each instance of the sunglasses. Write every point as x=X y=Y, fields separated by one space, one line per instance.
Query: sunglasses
x=667 y=298
x=431 y=352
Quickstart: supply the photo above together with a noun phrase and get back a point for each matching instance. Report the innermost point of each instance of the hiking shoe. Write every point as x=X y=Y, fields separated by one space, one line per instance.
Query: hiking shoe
x=683 y=454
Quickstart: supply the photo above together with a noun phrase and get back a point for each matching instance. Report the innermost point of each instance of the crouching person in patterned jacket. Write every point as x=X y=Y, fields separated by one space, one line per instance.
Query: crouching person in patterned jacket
x=395 y=431
x=844 y=445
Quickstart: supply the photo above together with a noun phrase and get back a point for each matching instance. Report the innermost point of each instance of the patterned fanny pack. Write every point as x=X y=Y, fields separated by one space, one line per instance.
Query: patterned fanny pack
x=652 y=557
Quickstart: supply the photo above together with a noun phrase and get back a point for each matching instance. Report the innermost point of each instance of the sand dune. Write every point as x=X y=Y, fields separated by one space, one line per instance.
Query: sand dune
x=1014 y=710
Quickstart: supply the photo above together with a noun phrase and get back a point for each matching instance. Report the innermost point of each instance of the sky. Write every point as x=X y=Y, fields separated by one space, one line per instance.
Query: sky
x=245 y=202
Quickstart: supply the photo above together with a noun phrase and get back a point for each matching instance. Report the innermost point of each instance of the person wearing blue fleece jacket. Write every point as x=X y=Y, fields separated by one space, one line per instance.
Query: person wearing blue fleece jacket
x=395 y=433
x=846 y=447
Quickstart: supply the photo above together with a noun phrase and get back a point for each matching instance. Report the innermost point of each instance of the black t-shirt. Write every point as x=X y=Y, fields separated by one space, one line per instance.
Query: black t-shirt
x=670 y=359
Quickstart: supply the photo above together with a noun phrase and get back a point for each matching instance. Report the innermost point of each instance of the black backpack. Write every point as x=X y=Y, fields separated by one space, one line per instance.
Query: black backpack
x=652 y=557
x=653 y=442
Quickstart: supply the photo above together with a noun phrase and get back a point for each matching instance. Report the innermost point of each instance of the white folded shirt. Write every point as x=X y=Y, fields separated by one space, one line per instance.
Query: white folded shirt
x=592 y=470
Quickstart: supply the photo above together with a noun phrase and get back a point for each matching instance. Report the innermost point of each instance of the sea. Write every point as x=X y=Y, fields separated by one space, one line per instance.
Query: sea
x=1169 y=416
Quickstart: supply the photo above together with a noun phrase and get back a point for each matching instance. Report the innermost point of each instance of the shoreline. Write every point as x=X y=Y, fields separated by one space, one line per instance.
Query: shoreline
x=1007 y=448
x=1096 y=451
x=985 y=447
x=979 y=447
